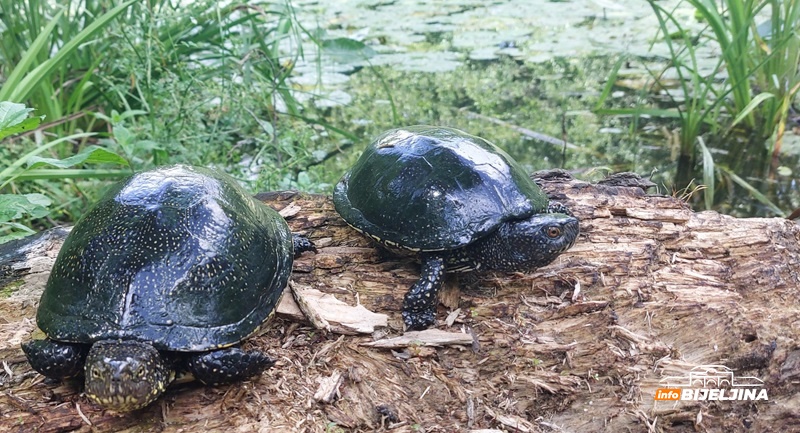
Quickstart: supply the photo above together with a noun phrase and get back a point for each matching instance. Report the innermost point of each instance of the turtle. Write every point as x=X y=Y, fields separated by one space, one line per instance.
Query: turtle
x=167 y=273
x=457 y=201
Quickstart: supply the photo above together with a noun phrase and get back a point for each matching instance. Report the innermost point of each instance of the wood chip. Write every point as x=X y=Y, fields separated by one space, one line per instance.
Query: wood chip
x=576 y=292
x=513 y=422
x=328 y=389
x=324 y=311
x=305 y=303
x=80 y=414
x=428 y=337
x=290 y=210
x=451 y=318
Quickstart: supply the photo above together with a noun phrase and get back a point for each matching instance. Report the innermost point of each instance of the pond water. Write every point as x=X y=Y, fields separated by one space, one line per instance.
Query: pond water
x=503 y=68
x=437 y=36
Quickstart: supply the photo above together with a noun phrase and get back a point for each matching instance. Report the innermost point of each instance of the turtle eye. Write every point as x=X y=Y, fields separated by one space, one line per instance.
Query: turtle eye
x=553 y=232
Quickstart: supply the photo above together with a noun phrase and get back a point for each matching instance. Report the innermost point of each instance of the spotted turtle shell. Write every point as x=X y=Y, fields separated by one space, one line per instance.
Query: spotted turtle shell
x=181 y=257
x=428 y=188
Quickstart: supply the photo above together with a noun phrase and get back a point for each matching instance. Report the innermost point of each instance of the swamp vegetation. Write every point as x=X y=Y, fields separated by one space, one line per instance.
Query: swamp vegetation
x=699 y=96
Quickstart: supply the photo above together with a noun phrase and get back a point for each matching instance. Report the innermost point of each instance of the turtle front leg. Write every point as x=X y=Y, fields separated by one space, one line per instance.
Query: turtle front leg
x=302 y=244
x=227 y=365
x=419 y=305
x=55 y=359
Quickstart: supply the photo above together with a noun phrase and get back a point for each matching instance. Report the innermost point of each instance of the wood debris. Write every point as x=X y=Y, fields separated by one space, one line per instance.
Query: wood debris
x=328 y=389
x=663 y=290
x=428 y=337
x=326 y=312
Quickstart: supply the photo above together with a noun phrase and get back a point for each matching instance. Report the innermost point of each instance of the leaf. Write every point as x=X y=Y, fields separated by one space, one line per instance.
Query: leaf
x=14 y=206
x=26 y=125
x=346 y=50
x=14 y=119
x=130 y=113
x=21 y=232
x=12 y=114
x=146 y=146
x=761 y=97
x=12 y=82
x=90 y=155
x=12 y=171
x=124 y=137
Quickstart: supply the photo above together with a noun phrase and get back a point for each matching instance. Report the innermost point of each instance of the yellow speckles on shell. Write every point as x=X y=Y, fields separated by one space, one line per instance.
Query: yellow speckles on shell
x=179 y=256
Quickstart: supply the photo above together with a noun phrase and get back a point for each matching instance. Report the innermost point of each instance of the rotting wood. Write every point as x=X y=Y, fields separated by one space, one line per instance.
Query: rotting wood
x=428 y=337
x=328 y=389
x=326 y=312
x=663 y=290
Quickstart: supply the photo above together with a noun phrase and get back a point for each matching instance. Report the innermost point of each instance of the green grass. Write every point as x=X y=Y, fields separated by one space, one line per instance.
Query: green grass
x=778 y=42
x=11 y=288
x=52 y=57
x=744 y=114
x=142 y=84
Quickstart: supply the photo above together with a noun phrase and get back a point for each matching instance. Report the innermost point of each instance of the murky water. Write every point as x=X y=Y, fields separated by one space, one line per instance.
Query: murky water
x=498 y=68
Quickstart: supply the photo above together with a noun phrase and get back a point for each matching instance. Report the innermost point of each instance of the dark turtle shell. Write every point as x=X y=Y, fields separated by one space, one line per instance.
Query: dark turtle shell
x=433 y=188
x=180 y=257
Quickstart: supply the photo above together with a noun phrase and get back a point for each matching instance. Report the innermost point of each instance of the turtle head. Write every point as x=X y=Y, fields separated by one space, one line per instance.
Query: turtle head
x=524 y=245
x=125 y=375
x=538 y=240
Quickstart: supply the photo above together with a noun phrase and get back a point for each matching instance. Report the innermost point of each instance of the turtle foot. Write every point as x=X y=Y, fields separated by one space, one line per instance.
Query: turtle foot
x=55 y=359
x=419 y=304
x=419 y=320
x=555 y=207
x=227 y=365
x=302 y=244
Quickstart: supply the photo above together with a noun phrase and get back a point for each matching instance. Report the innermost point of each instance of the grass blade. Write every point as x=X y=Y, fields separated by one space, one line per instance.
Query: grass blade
x=708 y=174
x=754 y=103
x=13 y=82
x=755 y=193
x=27 y=85
x=610 y=81
x=12 y=171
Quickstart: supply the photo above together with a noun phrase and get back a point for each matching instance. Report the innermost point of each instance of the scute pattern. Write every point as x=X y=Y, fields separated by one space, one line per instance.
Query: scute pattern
x=180 y=257
x=428 y=188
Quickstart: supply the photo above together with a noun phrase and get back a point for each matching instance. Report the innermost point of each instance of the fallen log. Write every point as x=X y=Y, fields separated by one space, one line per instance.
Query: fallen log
x=652 y=293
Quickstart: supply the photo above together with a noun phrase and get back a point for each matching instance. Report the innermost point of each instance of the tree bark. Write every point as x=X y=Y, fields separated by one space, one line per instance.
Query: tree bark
x=650 y=291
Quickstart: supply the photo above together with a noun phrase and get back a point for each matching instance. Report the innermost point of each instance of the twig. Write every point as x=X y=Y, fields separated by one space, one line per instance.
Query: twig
x=339 y=149
x=524 y=131
x=49 y=125
x=80 y=414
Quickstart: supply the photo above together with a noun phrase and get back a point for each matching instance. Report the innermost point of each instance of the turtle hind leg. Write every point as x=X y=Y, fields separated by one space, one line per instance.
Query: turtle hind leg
x=302 y=244
x=55 y=359
x=227 y=365
x=419 y=304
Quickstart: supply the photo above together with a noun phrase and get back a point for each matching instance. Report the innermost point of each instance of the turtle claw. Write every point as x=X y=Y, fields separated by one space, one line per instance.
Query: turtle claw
x=227 y=365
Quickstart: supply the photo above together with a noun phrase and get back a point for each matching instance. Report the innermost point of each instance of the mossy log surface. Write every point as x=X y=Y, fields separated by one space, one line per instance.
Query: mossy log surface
x=650 y=290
